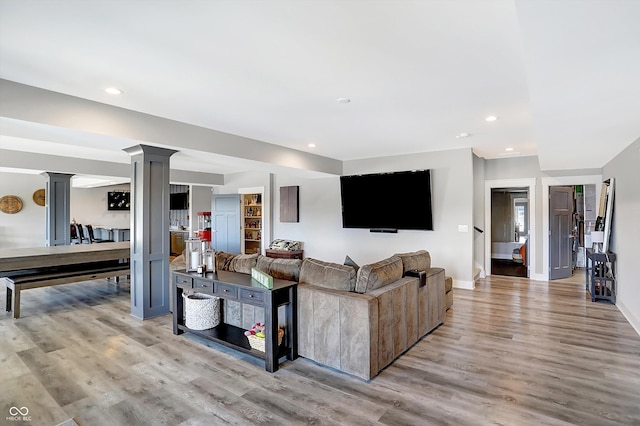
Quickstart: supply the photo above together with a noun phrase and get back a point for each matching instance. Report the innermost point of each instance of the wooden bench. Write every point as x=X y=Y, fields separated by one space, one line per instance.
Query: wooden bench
x=49 y=276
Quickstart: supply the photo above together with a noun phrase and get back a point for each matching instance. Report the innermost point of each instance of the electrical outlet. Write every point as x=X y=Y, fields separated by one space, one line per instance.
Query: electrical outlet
x=463 y=228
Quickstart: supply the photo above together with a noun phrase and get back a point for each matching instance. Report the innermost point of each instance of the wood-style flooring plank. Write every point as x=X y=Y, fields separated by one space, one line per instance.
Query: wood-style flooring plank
x=512 y=352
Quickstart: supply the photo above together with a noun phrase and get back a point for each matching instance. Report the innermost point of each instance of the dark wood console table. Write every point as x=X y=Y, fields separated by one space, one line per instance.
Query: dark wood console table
x=601 y=275
x=285 y=254
x=244 y=289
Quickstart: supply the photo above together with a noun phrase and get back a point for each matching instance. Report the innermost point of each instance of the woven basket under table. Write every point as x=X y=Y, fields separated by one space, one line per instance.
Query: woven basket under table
x=257 y=343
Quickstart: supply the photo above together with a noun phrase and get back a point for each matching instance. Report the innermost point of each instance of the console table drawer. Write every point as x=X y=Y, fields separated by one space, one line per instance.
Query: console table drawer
x=226 y=290
x=182 y=281
x=251 y=296
x=203 y=285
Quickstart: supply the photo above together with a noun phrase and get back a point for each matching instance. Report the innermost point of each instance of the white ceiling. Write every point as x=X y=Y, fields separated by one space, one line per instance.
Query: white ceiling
x=562 y=75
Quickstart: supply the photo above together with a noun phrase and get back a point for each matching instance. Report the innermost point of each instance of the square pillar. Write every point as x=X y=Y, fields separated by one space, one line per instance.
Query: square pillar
x=150 y=243
x=57 y=209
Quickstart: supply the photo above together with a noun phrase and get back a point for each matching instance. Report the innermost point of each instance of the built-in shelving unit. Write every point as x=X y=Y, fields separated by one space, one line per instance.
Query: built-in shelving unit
x=252 y=223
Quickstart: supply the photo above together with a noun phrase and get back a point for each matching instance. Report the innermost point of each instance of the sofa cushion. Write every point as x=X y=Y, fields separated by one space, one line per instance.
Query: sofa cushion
x=264 y=263
x=285 y=269
x=420 y=260
x=379 y=274
x=243 y=263
x=328 y=275
x=223 y=261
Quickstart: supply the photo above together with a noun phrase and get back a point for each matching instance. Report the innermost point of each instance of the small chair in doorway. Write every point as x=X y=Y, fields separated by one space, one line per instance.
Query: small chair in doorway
x=74 y=235
x=80 y=232
x=92 y=239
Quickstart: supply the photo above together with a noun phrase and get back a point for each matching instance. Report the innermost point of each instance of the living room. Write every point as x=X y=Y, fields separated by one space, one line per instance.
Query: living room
x=208 y=159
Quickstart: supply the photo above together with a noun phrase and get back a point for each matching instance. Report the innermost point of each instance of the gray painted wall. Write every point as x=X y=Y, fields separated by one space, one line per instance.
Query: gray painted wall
x=528 y=167
x=27 y=227
x=478 y=212
x=625 y=168
x=320 y=226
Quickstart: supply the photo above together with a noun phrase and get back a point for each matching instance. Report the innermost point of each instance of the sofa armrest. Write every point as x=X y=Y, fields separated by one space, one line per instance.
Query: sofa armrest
x=397 y=318
x=431 y=301
x=338 y=329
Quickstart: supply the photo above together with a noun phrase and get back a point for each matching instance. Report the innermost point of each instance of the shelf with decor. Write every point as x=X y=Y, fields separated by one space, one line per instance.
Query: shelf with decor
x=252 y=223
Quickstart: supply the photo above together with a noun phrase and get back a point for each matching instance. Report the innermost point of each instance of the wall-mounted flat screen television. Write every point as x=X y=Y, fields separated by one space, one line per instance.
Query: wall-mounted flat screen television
x=386 y=202
x=179 y=201
x=118 y=200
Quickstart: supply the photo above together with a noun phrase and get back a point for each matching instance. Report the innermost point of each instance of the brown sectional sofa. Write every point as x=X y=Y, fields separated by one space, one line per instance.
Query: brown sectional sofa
x=356 y=320
x=360 y=322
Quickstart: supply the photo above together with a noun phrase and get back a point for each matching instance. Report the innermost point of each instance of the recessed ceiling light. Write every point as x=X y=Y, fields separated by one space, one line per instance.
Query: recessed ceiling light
x=343 y=100
x=463 y=135
x=491 y=118
x=113 y=91
x=508 y=149
x=312 y=145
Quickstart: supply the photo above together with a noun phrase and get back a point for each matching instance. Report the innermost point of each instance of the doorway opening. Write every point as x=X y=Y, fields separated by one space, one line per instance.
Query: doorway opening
x=510 y=229
x=572 y=217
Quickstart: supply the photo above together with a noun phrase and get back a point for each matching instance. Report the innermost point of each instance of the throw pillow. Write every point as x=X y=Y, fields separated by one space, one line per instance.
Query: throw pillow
x=288 y=245
x=349 y=262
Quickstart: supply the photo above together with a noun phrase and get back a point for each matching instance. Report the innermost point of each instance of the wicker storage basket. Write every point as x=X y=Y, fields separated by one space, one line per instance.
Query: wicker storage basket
x=257 y=343
x=201 y=311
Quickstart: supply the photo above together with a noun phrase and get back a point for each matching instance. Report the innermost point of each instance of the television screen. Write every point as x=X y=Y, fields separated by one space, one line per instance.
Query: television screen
x=179 y=201
x=118 y=200
x=387 y=201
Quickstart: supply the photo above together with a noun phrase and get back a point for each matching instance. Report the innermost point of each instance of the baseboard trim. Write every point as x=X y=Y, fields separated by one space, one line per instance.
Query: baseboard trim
x=467 y=285
x=630 y=316
x=538 y=277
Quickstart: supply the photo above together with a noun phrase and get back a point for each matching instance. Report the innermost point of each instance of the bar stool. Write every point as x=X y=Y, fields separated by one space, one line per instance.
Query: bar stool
x=74 y=235
x=92 y=239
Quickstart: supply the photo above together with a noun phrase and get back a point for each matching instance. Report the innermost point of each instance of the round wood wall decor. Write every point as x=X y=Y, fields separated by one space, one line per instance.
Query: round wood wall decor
x=10 y=204
x=39 y=197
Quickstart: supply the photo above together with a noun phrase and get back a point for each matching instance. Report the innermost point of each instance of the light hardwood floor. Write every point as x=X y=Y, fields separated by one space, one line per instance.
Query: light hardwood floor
x=512 y=352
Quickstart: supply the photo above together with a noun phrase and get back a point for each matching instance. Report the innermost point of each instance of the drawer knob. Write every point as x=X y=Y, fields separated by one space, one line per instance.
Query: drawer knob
x=225 y=290
x=251 y=295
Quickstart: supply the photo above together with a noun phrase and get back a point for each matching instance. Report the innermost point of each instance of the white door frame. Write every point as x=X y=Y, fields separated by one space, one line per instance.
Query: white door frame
x=558 y=181
x=510 y=183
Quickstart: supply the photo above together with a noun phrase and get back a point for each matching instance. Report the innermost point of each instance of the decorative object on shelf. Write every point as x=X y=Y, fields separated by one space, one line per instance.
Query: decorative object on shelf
x=597 y=238
x=39 y=197
x=193 y=253
x=204 y=226
x=289 y=201
x=256 y=336
x=209 y=259
x=10 y=204
x=608 y=216
x=201 y=311
x=118 y=200
x=264 y=279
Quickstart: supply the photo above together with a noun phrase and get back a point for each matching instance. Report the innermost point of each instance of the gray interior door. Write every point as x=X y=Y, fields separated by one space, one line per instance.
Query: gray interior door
x=560 y=236
x=225 y=218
